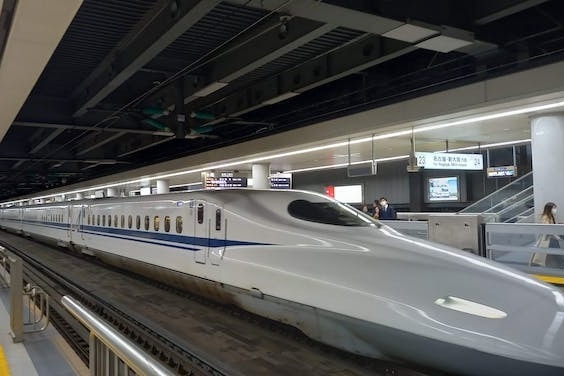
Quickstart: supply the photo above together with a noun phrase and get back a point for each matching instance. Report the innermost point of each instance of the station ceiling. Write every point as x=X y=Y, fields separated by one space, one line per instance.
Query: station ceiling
x=134 y=83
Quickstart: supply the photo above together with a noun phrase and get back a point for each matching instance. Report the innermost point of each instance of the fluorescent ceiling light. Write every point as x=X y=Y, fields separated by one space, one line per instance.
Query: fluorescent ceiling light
x=523 y=110
x=337 y=165
x=207 y=90
x=410 y=33
x=281 y=97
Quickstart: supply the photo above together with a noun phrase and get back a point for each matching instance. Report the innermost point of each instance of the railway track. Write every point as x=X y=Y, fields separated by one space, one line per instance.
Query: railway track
x=190 y=334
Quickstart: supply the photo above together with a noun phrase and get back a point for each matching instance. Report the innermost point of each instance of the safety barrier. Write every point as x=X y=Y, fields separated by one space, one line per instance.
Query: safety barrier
x=35 y=300
x=111 y=353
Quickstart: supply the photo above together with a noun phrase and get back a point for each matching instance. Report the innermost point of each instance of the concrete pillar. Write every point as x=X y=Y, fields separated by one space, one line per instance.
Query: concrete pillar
x=547 y=135
x=162 y=186
x=79 y=196
x=261 y=172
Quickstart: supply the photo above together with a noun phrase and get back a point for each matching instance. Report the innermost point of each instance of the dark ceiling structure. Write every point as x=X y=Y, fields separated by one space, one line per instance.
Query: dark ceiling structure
x=138 y=82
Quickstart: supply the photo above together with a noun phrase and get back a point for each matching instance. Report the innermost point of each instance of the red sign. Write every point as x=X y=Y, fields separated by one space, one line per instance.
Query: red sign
x=330 y=191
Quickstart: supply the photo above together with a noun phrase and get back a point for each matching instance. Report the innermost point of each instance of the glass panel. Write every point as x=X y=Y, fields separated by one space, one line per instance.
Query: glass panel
x=218 y=219
x=200 y=213
x=167 y=224
x=156 y=223
x=147 y=222
x=328 y=212
x=179 y=224
x=138 y=222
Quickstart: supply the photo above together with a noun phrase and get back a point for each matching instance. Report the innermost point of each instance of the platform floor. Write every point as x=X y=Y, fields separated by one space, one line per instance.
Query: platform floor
x=44 y=354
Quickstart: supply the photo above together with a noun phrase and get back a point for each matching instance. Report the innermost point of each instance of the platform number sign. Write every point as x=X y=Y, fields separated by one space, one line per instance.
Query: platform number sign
x=421 y=160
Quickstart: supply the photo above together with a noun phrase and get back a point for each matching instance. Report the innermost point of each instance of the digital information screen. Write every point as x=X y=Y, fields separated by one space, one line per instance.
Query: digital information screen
x=226 y=182
x=443 y=189
x=280 y=182
x=501 y=171
x=351 y=194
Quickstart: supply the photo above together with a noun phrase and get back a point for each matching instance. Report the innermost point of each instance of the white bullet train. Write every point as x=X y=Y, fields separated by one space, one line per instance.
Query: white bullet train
x=336 y=274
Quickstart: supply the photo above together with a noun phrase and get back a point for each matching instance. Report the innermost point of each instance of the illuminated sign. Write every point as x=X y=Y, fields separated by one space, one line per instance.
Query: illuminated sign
x=226 y=182
x=443 y=189
x=277 y=182
x=450 y=161
x=501 y=171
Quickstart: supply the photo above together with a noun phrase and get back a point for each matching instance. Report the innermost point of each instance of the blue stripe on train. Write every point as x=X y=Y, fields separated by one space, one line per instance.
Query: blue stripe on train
x=146 y=236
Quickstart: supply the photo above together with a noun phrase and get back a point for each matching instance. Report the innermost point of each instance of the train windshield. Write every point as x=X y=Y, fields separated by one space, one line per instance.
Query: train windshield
x=328 y=212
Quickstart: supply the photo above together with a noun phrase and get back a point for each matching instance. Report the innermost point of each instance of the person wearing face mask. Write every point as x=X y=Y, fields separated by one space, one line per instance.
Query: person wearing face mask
x=548 y=216
x=386 y=211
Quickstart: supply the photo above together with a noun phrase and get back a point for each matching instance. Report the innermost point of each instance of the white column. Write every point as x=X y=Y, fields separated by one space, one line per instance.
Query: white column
x=162 y=186
x=547 y=135
x=79 y=196
x=261 y=172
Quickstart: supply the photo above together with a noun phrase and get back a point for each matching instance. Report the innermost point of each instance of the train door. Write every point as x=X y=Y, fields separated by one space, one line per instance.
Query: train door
x=217 y=235
x=201 y=230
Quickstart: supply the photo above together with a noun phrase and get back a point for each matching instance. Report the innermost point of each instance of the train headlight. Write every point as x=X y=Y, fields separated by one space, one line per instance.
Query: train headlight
x=470 y=307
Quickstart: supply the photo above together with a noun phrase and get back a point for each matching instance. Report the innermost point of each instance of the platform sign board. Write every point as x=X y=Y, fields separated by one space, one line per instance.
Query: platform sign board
x=280 y=182
x=449 y=161
x=226 y=182
x=502 y=171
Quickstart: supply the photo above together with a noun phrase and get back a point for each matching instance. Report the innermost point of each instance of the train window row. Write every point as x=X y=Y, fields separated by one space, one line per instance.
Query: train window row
x=100 y=220
x=52 y=218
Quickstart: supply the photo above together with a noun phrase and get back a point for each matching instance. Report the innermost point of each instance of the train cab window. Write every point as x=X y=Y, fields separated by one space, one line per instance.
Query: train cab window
x=179 y=224
x=110 y=220
x=123 y=221
x=138 y=222
x=167 y=224
x=115 y=220
x=200 y=213
x=98 y=219
x=327 y=212
x=130 y=221
x=147 y=222
x=156 y=223
x=218 y=219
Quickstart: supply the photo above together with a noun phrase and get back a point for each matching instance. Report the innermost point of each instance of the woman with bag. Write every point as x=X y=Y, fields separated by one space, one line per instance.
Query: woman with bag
x=548 y=241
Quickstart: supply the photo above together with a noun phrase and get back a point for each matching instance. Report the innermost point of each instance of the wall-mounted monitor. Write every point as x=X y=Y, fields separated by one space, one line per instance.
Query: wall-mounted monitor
x=351 y=194
x=443 y=189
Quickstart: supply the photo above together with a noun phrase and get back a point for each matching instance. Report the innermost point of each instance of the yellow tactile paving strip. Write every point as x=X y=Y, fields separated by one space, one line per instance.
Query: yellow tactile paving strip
x=4 y=369
x=550 y=279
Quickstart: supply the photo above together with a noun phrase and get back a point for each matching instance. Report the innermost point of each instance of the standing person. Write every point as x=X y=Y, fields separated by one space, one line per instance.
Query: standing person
x=386 y=211
x=376 y=210
x=548 y=216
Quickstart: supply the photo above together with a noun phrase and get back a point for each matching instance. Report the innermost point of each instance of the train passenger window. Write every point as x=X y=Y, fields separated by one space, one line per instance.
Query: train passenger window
x=179 y=224
x=200 y=213
x=138 y=222
x=98 y=219
x=147 y=222
x=110 y=220
x=327 y=212
x=115 y=220
x=218 y=219
x=130 y=221
x=156 y=223
x=167 y=224
x=123 y=221
x=104 y=220
x=93 y=219
x=88 y=219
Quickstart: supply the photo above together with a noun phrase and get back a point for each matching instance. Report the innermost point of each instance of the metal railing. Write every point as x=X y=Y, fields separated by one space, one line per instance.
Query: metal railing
x=503 y=196
x=111 y=353
x=36 y=316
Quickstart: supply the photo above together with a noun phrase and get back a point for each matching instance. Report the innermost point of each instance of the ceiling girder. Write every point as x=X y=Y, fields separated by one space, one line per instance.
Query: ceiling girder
x=98 y=141
x=354 y=57
x=490 y=11
x=149 y=41
x=91 y=129
x=326 y=13
x=135 y=146
x=246 y=57
x=46 y=140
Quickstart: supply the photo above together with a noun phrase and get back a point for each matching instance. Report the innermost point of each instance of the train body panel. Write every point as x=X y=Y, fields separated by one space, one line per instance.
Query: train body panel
x=325 y=268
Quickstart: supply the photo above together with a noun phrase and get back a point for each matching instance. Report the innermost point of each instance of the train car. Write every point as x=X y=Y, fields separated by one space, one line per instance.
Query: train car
x=331 y=271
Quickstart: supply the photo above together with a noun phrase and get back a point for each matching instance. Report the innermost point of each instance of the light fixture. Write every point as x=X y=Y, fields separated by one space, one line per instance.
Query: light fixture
x=449 y=40
x=211 y=88
x=498 y=115
x=411 y=32
x=281 y=97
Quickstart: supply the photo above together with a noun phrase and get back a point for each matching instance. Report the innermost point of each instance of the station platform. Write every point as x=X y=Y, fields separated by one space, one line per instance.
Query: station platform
x=44 y=353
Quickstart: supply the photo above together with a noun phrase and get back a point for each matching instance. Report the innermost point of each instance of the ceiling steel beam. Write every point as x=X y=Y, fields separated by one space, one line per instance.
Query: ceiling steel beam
x=129 y=149
x=354 y=57
x=47 y=140
x=91 y=129
x=98 y=142
x=326 y=13
x=59 y=160
x=148 y=41
x=490 y=11
x=265 y=46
